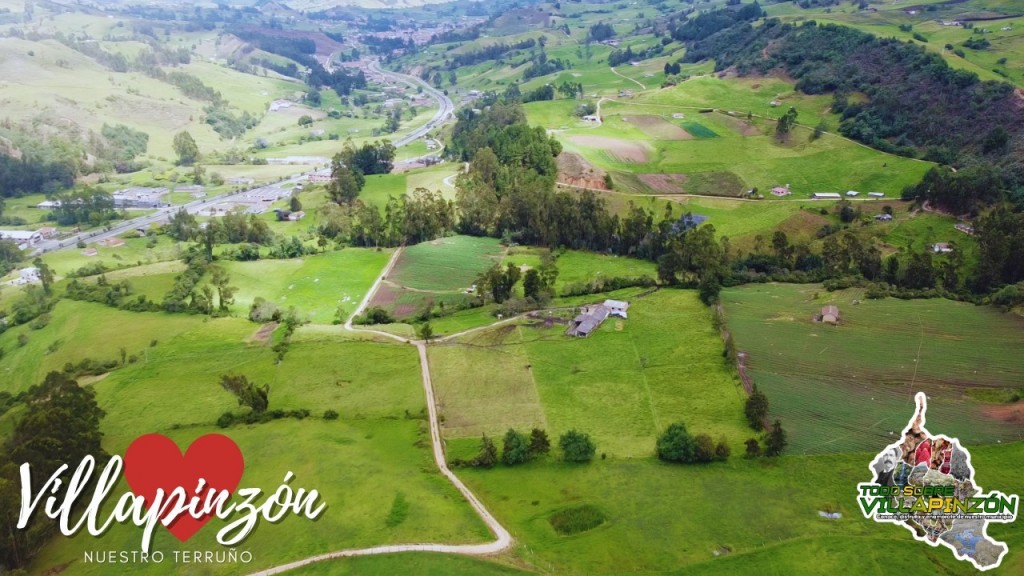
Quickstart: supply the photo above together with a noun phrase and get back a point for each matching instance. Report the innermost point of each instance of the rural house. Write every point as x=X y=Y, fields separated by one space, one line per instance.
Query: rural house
x=942 y=248
x=883 y=217
x=589 y=319
x=826 y=196
x=781 y=190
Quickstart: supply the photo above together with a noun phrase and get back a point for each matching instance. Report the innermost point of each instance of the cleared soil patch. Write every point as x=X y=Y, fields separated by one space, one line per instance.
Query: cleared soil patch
x=262 y=335
x=575 y=171
x=740 y=126
x=715 y=184
x=384 y=297
x=621 y=150
x=658 y=128
x=1006 y=413
x=664 y=183
x=803 y=225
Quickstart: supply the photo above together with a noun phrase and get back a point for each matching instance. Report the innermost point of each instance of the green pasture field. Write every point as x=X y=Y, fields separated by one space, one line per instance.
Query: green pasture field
x=623 y=385
x=152 y=280
x=421 y=564
x=487 y=370
x=24 y=207
x=576 y=266
x=248 y=92
x=376 y=454
x=744 y=156
x=760 y=516
x=79 y=330
x=315 y=285
x=134 y=253
x=380 y=187
x=446 y=264
x=850 y=387
x=378 y=445
x=434 y=178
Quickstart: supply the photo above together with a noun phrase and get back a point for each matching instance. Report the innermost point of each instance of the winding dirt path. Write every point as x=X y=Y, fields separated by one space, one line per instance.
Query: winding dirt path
x=637 y=82
x=503 y=540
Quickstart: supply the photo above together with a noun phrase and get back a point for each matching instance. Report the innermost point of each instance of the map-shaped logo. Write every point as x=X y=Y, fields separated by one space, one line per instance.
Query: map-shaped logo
x=926 y=484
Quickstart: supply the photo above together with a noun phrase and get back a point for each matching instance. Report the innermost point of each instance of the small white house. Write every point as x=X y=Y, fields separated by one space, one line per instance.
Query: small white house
x=617 y=308
x=852 y=193
x=591 y=118
x=876 y=194
x=826 y=196
x=942 y=248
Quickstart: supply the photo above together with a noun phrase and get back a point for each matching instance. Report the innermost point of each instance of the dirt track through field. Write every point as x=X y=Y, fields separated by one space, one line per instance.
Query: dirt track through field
x=503 y=540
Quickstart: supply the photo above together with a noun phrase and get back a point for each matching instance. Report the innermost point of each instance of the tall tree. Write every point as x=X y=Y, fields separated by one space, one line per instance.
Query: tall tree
x=186 y=149
x=45 y=275
x=539 y=442
x=225 y=293
x=756 y=409
x=776 y=441
x=248 y=393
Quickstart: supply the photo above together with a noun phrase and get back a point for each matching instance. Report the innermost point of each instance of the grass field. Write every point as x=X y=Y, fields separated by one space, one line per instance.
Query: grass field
x=315 y=285
x=850 y=387
x=759 y=516
x=742 y=154
x=377 y=447
x=623 y=385
x=134 y=252
x=423 y=564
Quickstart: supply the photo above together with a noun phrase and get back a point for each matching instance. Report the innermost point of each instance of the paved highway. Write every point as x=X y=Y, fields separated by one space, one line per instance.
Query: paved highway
x=444 y=112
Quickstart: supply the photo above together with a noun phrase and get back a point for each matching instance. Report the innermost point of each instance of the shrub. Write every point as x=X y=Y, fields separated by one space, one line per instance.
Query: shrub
x=576 y=520
x=753 y=448
x=226 y=419
x=515 y=448
x=703 y=448
x=577 y=446
x=263 y=311
x=330 y=415
x=722 y=450
x=675 y=444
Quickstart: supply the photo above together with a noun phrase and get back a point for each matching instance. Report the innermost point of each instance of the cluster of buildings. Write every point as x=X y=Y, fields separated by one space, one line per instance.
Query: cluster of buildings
x=140 y=197
x=255 y=201
x=26 y=239
x=591 y=317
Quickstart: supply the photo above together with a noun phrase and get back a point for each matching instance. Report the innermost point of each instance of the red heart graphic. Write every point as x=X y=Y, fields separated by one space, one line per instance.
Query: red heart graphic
x=153 y=462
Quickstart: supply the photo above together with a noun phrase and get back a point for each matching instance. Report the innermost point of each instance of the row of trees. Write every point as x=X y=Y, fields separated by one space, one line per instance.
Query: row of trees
x=519 y=448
